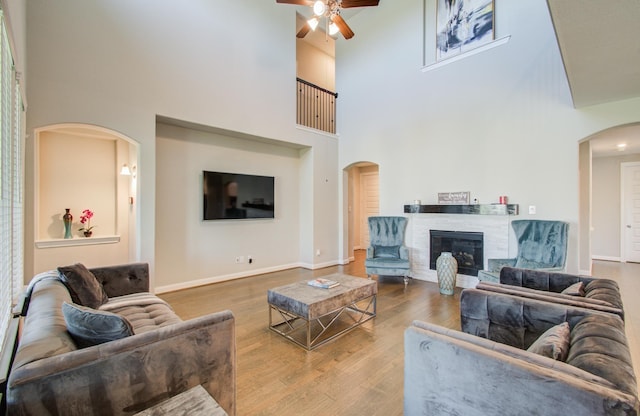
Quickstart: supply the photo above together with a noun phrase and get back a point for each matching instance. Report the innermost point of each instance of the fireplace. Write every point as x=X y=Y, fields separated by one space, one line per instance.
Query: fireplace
x=466 y=247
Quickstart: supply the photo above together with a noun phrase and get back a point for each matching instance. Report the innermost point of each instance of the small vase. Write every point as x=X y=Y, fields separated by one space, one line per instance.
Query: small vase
x=67 y=219
x=88 y=233
x=447 y=269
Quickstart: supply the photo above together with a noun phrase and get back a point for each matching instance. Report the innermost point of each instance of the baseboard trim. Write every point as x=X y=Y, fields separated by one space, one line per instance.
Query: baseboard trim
x=606 y=258
x=320 y=265
x=223 y=278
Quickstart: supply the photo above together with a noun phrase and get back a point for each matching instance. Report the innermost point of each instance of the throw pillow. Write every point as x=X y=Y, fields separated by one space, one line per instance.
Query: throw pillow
x=92 y=327
x=576 y=289
x=83 y=286
x=388 y=252
x=553 y=343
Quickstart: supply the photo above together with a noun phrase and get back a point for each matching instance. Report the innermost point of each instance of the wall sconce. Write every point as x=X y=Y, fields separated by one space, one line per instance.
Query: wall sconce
x=125 y=171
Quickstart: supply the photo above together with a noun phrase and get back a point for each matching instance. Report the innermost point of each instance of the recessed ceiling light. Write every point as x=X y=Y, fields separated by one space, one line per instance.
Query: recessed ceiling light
x=621 y=146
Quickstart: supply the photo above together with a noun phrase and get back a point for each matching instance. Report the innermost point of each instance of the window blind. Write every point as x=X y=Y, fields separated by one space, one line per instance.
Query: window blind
x=11 y=183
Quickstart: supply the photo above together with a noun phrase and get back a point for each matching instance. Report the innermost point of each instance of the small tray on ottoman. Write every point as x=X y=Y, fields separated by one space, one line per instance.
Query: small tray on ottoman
x=311 y=316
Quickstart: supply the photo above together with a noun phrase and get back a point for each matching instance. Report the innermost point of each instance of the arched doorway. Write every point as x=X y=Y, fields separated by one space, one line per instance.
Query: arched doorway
x=602 y=225
x=361 y=201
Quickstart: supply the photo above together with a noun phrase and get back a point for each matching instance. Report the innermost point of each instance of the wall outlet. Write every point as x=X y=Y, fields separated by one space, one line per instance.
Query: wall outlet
x=238 y=259
x=249 y=259
x=532 y=209
x=317 y=252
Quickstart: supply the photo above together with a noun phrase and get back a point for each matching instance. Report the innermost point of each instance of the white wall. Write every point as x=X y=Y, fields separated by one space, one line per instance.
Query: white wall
x=497 y=123
x=315 y=66
x=189 y=249
x=229 y=64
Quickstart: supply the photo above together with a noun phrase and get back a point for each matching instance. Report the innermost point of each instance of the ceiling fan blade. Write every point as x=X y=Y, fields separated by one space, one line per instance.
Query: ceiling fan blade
x=343 y=27
x=303 y=31
x=298 y=2
x=358 y=3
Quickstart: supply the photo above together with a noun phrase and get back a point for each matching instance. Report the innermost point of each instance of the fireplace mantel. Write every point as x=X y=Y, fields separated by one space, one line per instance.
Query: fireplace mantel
x=474 y=209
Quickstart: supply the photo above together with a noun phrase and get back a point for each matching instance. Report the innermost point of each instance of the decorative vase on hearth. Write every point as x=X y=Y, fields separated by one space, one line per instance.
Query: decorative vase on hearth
x=447 y=269
x=67 y=219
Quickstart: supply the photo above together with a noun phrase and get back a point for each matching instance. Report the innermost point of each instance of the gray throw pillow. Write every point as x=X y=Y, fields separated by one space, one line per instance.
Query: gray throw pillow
x=576 y=289
x=90 y=327
x=553 y=343
x=386 y=252
x=83 y=286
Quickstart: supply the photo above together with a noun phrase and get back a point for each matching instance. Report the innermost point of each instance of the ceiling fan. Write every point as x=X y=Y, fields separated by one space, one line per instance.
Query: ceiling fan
x=331 y=10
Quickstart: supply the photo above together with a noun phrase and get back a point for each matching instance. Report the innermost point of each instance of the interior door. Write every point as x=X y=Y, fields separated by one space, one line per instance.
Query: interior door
x=631 y=212
x=370 y=205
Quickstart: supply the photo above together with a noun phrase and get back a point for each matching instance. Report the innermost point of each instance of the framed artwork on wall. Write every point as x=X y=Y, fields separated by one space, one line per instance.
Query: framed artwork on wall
x=463 y=25
x=453 y=198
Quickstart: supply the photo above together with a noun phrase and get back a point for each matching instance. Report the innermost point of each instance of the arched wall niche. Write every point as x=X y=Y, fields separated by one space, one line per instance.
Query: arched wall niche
x=78 y=167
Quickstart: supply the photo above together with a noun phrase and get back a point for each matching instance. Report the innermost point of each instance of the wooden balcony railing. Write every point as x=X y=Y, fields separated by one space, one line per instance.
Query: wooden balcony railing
x=316 y=107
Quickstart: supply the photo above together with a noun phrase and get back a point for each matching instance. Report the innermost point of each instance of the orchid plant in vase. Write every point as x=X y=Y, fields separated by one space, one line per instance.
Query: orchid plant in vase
x=85 y=220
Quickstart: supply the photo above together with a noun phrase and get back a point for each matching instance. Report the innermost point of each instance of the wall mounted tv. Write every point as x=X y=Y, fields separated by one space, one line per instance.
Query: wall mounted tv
x=230 y=196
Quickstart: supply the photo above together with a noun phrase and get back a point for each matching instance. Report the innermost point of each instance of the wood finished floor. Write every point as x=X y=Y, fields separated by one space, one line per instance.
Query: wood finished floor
x=360 y=373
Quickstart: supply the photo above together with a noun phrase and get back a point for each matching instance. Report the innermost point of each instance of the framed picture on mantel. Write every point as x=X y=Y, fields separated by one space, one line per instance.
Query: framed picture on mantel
x=462 y=25
x=453 y=198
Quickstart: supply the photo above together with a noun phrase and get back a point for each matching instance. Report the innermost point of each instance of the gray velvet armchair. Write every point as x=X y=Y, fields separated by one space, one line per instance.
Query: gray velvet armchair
x=542 y=245
x=387 y=254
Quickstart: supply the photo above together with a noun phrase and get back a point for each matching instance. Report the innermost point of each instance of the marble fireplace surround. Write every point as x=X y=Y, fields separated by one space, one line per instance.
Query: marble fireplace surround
x=496 y=230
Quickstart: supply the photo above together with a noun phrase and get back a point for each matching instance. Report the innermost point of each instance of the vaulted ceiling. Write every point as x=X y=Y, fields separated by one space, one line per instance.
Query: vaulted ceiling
x=600 y=45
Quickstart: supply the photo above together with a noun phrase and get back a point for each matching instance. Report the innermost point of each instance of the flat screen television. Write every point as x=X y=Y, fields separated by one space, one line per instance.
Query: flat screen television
x=229 y=196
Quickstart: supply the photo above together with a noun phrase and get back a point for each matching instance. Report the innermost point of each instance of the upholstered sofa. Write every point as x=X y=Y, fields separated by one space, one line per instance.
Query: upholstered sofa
x=488 y=369
x=569 y=289
x=55 y=372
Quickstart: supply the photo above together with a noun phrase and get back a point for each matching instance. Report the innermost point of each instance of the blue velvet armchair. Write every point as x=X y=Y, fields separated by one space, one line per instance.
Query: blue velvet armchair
x=542 y=245
x=387 y=254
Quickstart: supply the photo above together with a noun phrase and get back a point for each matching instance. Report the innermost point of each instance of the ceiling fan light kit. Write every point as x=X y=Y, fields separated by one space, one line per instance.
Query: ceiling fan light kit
x=319 y=8
x=313 y=23
x=333 y=29
x=330 y=9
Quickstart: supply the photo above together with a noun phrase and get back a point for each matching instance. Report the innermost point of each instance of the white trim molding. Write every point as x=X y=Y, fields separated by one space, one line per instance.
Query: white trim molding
x=467 y=54
x=69 y=242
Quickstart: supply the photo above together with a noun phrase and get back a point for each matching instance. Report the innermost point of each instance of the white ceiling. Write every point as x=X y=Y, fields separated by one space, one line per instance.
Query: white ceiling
x=600 y=45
